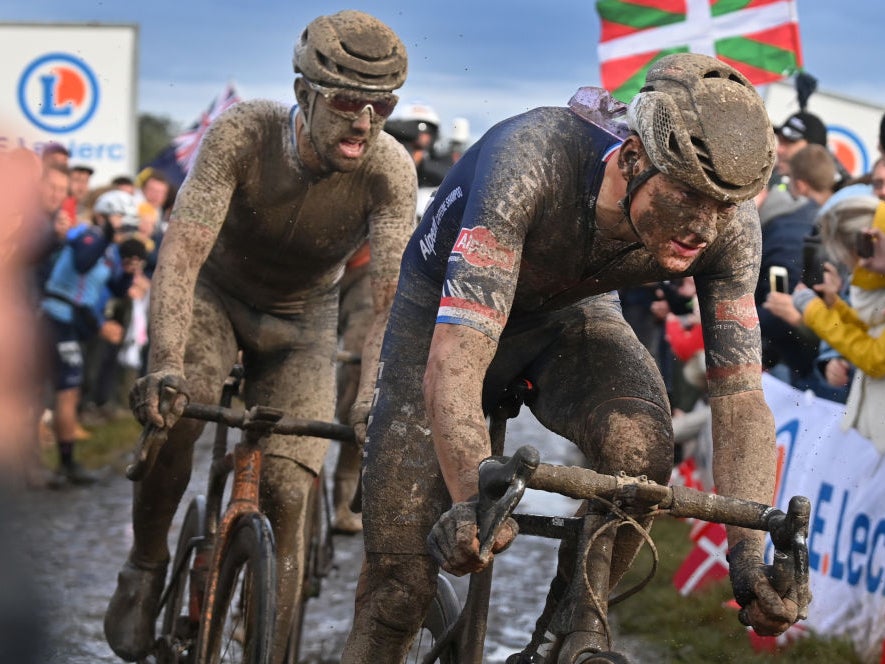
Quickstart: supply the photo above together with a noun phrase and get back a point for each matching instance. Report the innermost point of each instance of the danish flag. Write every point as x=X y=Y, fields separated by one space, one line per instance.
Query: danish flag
x=706 y=562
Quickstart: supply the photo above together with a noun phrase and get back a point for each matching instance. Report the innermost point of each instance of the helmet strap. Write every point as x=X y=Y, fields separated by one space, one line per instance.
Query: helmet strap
x=307 y=115
x=632 y=185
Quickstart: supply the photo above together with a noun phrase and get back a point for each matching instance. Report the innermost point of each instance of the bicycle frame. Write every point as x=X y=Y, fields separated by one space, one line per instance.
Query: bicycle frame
x=244 y=500
x=245 y=462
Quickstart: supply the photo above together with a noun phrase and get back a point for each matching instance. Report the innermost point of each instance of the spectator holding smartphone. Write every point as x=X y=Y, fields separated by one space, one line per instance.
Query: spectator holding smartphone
x=854 y=330
x=789 y=349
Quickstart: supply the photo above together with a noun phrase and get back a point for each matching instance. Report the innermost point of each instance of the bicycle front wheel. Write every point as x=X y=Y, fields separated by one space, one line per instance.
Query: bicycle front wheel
x=443 y=612
x=178 y=635
x=238 y=626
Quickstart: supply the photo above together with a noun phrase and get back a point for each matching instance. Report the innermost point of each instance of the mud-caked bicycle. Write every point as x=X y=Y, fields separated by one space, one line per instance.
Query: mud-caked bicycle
x=218 y=604
x=573 y=627
x=219 y=601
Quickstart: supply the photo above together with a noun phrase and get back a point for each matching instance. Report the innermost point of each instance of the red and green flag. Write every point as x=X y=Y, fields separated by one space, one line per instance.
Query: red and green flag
x=759 y=38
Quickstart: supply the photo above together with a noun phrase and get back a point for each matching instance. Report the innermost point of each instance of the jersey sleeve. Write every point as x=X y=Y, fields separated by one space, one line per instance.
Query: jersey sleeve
x=726 y=286
x=392 y=218
x=503 y=197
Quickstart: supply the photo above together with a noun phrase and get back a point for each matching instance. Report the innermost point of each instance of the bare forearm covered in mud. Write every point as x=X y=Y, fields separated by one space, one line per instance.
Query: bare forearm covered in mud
x=744 y=452
x=458 y=359
x=183 y=251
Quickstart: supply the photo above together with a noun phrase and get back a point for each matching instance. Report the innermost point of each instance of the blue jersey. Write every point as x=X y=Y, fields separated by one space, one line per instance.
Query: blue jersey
x=508 y=228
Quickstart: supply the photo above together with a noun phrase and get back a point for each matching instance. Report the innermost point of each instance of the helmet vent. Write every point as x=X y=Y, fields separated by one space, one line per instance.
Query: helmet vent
x=715 y=73
x=663 y=126
x=360 y=55
x=702 y=152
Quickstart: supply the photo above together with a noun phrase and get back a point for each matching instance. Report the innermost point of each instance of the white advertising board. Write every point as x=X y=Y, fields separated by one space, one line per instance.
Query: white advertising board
x=843 y=475
x=852 y=125
x=74 y=84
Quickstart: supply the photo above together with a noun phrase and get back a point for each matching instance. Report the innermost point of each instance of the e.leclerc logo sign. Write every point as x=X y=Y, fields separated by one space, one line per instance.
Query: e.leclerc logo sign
x=58 y=93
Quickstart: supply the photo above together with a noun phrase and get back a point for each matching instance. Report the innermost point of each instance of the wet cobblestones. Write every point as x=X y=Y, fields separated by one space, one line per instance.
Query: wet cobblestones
x=77 y=538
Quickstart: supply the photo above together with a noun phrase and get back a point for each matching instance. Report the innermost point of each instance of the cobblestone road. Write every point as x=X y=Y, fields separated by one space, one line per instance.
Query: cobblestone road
x=77 y=539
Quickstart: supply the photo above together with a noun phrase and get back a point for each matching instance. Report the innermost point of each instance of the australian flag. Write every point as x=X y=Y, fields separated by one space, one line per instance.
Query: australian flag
x=177 y=158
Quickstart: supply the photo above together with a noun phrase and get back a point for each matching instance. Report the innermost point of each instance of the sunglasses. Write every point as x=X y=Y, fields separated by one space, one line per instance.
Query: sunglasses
x=352 y=103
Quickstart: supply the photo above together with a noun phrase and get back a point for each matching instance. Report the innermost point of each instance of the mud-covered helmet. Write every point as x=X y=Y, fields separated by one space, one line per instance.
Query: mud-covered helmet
x=704 y=124
x=351 y=49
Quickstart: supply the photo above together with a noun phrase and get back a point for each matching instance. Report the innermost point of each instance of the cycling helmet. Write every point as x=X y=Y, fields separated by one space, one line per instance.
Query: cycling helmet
x=419 y=112
x=703 y=123
x=351 y=49
x=117 y=201
x=411 y=120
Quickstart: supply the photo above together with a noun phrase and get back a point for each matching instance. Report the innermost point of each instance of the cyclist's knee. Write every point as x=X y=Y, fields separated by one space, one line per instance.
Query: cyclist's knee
x=631 y=435
x=285 y=487
x=395 y=592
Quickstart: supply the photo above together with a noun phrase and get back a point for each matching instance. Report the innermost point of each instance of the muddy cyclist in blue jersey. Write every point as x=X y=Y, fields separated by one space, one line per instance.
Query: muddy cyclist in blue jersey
x=512 y=273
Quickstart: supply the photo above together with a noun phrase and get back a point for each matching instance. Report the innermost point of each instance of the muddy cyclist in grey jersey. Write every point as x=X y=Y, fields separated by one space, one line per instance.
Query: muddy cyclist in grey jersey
x=510 y=274
x=276 y=203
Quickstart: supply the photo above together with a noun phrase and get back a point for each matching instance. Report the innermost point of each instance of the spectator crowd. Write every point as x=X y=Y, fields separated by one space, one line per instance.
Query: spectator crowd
x=91 y=249
x=88 y=252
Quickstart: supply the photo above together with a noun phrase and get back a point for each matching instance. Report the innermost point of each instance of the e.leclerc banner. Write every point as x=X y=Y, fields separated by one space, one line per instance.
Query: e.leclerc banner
x=844 y=476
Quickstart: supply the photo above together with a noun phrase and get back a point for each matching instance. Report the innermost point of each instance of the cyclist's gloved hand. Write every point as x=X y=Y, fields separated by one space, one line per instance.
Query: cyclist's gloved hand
x=359 y=417
x=762 y=608
x=453 y=541
x=159 y=398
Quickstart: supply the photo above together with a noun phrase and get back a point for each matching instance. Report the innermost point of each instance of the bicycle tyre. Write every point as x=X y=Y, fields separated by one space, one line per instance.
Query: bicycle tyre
x=178 y=632
x=246 y=583
x=443 y=612
x=310 y=582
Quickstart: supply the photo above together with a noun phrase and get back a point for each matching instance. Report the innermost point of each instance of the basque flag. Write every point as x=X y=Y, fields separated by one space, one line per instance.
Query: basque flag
x=759 y=38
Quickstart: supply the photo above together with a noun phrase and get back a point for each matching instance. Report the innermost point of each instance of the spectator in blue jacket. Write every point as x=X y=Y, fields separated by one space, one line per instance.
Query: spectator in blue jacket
x=88 y=266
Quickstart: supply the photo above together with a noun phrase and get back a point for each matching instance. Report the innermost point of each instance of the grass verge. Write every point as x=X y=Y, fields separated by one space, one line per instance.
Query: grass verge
x=699 y=629
x=110 y=444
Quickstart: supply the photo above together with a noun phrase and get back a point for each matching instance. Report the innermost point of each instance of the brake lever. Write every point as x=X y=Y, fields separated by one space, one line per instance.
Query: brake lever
x=147 y=448
x=150 y=441
x=789 y=534
x=502 y=483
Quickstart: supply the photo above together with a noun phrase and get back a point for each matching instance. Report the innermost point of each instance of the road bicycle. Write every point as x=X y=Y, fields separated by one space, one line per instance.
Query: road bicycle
x=573 y=626
x=218 y=604
x=219 y=601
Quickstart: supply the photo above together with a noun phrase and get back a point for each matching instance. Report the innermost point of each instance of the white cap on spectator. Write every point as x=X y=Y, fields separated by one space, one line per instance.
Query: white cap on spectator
x=119 y=202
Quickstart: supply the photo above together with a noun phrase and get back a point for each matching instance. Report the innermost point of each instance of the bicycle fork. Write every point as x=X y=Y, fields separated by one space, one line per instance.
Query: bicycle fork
x=244 y=499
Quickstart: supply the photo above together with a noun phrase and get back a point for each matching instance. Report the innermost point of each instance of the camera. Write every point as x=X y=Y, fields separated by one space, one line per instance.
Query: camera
x=812 y=260
x=864 y=244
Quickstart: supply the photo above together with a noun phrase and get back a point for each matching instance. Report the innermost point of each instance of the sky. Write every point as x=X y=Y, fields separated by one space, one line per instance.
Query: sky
x=482 y=60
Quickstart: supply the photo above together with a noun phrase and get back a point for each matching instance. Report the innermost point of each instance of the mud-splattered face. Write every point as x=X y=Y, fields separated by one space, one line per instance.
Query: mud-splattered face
x=677 y=223
x=342 y=140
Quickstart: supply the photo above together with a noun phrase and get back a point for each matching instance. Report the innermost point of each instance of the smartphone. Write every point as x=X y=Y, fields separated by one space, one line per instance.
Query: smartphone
x=812 y=260
x=777 y=278
x=864 y=244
